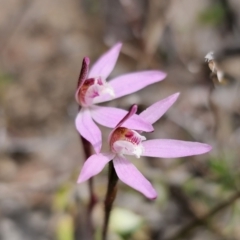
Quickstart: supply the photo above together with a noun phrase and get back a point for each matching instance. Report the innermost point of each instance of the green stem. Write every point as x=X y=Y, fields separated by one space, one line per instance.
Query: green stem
x=110 y=197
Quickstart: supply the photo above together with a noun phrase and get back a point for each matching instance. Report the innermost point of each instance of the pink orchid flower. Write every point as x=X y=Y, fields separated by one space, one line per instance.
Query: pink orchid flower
x=124 y=141
x=93 y=89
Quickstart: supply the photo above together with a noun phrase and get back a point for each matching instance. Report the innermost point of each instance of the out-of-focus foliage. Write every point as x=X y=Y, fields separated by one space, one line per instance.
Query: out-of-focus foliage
x=65 y=227
x=224 y=172
x=124 y=222
x=214 y=15
x=61 y=197
x=5 y=81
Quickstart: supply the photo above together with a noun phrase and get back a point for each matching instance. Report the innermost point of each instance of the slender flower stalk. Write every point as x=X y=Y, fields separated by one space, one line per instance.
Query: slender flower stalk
x=93 y=88
x=110 y=197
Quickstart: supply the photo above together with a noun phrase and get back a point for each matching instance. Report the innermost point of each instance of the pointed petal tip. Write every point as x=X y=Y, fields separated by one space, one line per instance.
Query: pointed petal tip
x=174 y=97
x=205 y=148
x=157 y=110
x=160 y=74
x=80 y=179
x=157 y=74
x=105 y=64
x=118 y=45
x=208 y=148
x=153 y=195
x=131 y=176
x=177 y=94
x=94 y=165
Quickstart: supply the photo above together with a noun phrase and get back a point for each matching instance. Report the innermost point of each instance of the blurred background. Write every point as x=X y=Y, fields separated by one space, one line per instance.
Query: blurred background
x=42 y=44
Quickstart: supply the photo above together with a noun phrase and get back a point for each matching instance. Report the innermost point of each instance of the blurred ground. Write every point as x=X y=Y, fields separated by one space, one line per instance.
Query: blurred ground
x=42 y=44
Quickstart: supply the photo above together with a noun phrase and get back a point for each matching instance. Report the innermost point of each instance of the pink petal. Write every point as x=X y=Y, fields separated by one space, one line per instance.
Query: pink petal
x=110 y=117
x=94 y=165
x=130 y=175
x=105 y=64
x=155 y=111
x=88 y=129
x=132 y=82
x=167 y=148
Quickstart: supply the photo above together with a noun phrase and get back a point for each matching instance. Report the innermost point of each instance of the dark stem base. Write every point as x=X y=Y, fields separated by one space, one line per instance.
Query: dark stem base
x=110 y=197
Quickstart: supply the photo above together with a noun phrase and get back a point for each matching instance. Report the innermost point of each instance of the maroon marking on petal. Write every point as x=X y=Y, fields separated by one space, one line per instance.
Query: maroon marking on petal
x=129 y=134
x=131 y=112
x=84 y=71
x=99 y=81
x=95 y=94
x=125 y=134
x=81 y=92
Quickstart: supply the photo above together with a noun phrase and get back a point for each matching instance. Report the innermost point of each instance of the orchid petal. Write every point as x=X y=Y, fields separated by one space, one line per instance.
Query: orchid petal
x=110 y=117
x=88 y=129
x=132 y=82
x=105 y=64
x=167 y=148
x=130 y=175
x=156 y=111
x=127 y=147
x=94 y=165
